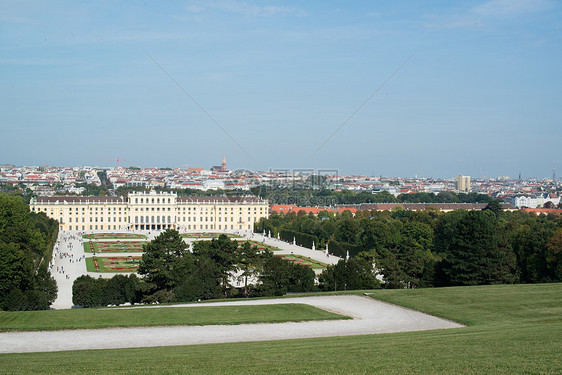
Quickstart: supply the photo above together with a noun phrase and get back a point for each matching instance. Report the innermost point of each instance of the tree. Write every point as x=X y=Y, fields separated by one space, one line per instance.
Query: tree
x=353 y=274
x=200 y=283
x=477 y=253
x=494 y=206
x=554 y=256
x=248 y=258
x=115 y=290
x=88 y=292
x=383 y=197
x=223 y=252
x=280 y=276
x=346 y=230
x=46 y=285
x=26 y=241
x=163 y=263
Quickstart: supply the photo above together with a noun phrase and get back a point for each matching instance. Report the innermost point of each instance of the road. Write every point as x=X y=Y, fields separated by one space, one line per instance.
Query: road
x=369 y=317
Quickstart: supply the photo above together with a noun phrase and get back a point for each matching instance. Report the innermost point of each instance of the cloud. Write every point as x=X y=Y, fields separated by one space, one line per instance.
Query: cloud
x=240 y=7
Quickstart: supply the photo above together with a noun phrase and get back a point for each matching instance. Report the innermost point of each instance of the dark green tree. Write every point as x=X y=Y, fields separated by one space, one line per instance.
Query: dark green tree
x=26 y=241
x=163 y=263
x=223 y=252
x=353 y=274
x=280 y=276
x=248 y=261
x=88 y=292
x=477 y=253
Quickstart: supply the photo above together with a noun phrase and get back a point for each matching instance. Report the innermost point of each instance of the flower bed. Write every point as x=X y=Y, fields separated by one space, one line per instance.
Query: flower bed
x=115 y=247
x=112 y=264
x=113 y=236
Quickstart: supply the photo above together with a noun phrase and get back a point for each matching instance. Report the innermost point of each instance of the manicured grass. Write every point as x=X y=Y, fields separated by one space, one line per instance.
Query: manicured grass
x=112 y=236
x=305 y=261
x=160 y=316
x=112 y=264
x=114 y=246
x=513 y=329
x=209 y=235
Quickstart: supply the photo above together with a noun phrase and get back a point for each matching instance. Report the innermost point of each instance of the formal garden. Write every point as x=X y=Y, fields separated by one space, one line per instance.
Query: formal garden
x=112 y=264
x=113 y=236
x=114 y=247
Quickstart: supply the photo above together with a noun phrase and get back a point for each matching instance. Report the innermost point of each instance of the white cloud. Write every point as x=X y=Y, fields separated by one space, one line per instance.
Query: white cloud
x=241 y=7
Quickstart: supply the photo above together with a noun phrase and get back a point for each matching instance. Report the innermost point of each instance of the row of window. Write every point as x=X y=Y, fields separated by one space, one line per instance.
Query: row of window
x=142 y=200
x=149 y=226
x=95 y=219
x=70 y=210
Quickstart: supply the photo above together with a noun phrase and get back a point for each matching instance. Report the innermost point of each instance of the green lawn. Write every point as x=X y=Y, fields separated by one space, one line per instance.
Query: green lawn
x=515 y=329
x=160 y=316
x=125 y=264
x=114 y=246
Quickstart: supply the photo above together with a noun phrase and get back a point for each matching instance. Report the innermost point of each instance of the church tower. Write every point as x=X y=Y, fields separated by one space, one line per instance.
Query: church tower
x=223 y=168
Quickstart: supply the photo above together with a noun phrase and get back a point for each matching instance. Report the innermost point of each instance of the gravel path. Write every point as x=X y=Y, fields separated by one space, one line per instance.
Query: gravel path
x=370 y=316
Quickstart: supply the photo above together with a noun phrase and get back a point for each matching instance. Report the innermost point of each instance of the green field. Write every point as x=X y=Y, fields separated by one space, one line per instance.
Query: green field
x=513 y=329
x=159 y=316
x=113 y=236
x=209 y=235
x=112 y=264
x=114 y=246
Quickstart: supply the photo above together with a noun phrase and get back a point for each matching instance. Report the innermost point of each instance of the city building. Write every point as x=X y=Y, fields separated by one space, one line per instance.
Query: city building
x=153 y=211
x=462 y=183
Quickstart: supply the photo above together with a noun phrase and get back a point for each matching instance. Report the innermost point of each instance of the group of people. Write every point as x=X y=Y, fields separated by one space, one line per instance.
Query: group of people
x=66 y=252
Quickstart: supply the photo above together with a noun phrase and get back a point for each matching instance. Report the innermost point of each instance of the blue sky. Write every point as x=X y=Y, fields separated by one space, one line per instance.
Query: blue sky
x=474 y=88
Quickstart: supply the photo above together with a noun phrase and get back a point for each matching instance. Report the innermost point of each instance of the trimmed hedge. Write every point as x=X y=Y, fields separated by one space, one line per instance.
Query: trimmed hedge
x=340 y=249
x=302 y=239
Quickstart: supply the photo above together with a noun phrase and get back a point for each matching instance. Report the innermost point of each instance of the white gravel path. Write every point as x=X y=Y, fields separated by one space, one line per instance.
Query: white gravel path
x=370 y=317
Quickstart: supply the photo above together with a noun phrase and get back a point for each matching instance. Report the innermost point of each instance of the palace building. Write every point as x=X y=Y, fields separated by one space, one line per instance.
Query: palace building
x=153 y=211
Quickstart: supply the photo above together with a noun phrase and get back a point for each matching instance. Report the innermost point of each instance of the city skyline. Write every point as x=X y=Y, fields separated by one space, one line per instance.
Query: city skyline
x=398 y=89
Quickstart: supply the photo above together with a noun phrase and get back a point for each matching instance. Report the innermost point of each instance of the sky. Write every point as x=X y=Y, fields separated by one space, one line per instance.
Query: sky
x=391 y=88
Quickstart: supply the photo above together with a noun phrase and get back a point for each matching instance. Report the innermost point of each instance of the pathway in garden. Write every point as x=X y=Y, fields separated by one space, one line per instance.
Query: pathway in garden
x=69 y=264
x=70 y=242
x=370 y=317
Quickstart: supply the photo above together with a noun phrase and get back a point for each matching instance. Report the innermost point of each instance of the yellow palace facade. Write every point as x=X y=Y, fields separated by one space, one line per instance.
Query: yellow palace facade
x=153 y=211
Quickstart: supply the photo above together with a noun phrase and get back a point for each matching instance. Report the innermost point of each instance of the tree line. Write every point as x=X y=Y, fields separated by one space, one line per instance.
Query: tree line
x=326 y=197
x=219 y=268
x=26 y=245
x=431 y=248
